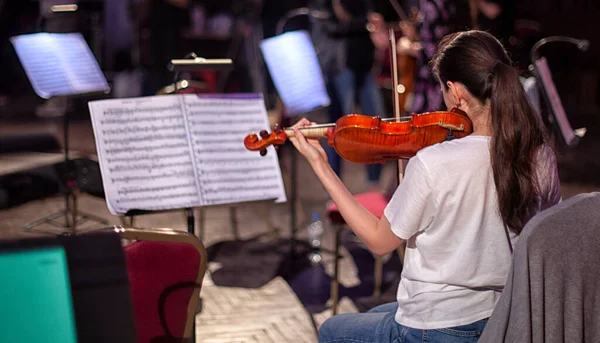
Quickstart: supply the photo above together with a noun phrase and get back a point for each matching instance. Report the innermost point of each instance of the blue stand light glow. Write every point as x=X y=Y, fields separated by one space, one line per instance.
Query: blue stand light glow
x=59 y=64
x=292 y=62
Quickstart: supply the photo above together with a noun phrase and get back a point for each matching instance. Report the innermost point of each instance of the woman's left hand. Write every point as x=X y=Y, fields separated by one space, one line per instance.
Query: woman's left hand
x=309 y=148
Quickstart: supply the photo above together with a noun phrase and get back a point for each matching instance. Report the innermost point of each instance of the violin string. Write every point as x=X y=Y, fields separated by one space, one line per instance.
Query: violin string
x=318 y=126
x=401 y=119
x=322 y=126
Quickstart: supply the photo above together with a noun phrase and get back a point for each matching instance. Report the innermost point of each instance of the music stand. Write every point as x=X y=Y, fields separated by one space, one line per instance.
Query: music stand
x=61 y=65
x=188 y=64
x=540 y=69
x=191 y=63
x=293 y=65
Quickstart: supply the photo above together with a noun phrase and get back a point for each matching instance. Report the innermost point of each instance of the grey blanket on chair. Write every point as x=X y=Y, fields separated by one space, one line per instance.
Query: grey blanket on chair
x=552 y=293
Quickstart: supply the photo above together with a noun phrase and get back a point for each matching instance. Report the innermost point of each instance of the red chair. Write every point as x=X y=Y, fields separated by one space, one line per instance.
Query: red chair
x=375 y=202
x=166 y=268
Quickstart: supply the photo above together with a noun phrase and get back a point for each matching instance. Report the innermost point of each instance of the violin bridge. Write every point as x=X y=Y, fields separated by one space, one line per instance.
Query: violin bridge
x=461 y=127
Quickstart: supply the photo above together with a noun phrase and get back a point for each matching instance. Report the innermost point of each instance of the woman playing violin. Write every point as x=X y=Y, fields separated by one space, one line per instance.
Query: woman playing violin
x=460 y=207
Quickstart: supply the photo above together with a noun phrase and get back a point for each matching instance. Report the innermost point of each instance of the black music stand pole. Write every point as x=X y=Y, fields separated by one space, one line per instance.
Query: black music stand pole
x=72 y=214
x=192 y=63
x=61 y=65
x=294 y=262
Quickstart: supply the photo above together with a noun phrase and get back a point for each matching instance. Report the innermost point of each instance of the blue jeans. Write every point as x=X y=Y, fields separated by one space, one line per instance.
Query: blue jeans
x=378 y=325
x=343 y=88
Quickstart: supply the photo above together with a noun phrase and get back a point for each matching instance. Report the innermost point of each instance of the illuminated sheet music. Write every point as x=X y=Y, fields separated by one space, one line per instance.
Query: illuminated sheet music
x=292 y=62
x=179 y=151
x=59 y=64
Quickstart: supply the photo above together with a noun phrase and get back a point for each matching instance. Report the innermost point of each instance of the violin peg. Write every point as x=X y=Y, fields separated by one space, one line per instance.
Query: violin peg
x=264 y=134
x=263 y=152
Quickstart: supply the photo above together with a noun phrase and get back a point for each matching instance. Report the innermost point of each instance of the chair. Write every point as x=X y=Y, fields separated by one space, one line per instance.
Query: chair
x=375 y=202
x=551 y=293
x=166 y=268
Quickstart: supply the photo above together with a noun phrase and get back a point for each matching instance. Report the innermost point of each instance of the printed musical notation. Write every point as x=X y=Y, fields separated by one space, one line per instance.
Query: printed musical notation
x=144 y=153
x=59 y=64
x=178 y=151
x=227 y=171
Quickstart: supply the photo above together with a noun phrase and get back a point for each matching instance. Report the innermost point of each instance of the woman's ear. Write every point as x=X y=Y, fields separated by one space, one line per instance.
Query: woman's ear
x=455 y=92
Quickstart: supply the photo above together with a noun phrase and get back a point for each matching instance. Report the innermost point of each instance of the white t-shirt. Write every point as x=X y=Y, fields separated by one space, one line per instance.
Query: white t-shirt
x=457 y=254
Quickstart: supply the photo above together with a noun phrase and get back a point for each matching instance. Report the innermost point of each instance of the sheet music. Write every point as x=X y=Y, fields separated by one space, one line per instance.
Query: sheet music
x=292 y=62
x=59 y=64
x=228 y=172
x=179 y=151
x=144 y=154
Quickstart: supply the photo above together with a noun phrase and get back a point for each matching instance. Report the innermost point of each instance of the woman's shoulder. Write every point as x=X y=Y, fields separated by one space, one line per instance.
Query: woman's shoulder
x=455 y=154
x=448 y=149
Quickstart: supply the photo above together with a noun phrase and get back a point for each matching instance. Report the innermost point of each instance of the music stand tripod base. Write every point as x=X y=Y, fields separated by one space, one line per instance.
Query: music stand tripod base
x=72 y=218
x=53 y=64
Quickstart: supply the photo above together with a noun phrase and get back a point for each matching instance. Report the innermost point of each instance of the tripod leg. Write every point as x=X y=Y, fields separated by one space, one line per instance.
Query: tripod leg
x=73 y=212
x=335 y=283
x=201 y=220
x=233 y=222
x=27 y=227
x=401 y=250
x=273 y=231
x=378 y=276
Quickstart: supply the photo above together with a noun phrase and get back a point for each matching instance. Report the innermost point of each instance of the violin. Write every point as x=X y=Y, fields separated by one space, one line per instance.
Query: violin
x=365 y=139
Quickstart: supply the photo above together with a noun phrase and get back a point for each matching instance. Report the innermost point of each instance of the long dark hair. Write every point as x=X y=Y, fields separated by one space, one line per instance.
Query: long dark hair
x=478 y=61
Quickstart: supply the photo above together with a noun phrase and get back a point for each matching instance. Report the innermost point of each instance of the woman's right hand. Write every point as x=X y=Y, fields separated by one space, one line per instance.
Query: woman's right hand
x=309 y=148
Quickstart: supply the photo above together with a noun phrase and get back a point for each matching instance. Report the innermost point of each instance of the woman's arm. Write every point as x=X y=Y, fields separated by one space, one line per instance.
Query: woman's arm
x=376 y=233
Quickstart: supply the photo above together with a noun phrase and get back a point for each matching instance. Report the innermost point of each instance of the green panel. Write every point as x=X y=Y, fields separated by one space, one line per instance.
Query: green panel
x=35 y=297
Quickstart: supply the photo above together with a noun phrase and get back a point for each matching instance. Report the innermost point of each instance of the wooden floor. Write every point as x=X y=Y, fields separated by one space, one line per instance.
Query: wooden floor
x=272 y=313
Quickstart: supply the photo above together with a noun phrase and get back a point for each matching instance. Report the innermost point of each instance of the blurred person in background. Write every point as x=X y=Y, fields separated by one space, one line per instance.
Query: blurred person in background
x=440 y=17
x=164 y=21
x=346 y=53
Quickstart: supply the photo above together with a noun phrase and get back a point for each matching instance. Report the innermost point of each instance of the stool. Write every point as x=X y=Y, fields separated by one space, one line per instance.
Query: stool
x=374 y=202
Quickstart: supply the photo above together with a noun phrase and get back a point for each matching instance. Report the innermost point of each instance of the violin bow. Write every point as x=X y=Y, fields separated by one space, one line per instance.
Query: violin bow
x=396 y=104
x=399 y=10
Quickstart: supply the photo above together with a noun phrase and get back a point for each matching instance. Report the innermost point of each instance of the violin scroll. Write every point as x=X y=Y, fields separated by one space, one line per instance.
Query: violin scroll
x=277 y=137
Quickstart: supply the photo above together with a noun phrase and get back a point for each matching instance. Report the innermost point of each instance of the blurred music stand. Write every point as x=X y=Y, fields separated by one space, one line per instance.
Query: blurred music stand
x=293 y=65
x=191 y=62
x=540 y=69
x=188 y=64
x=61 y=65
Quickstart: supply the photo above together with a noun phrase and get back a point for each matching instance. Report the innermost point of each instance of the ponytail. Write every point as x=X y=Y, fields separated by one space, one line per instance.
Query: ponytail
x=477 y=60
x=517 y=134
